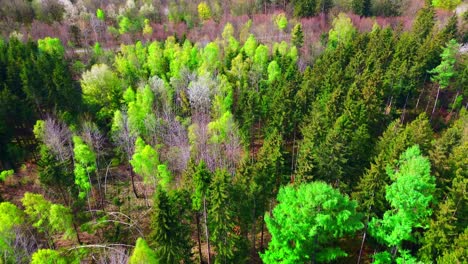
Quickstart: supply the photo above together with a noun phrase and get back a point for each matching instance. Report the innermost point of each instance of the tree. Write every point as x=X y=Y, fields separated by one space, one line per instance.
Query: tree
x=304 y=8
x=443 y=73
x=142 y=253
x=11 y=218
x=410 y=196
x=204 y=11
x=222 y=217
x=281 y=21
x=342 y=32
x=424 y=22
x=169 y=235
x=297 y=36
x=145 y=161
x=47 y=256
x=101 y=90
x=6 y=174
x=306 y=222
x=100 y=14
x=446 y=4
x=85 y=166
x=361 y=7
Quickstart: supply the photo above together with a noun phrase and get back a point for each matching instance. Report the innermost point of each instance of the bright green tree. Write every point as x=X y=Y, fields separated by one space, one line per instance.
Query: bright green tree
x=342 y=32
x=5 y=174
x=410 y=196
x=446 y=4
x=145 y=161
x=85 y=165
x=11 y=217
x=445 y=71
x=100 y=14
x=306 y=223
x=281 y=21
x=48 y=256
x=142 y=253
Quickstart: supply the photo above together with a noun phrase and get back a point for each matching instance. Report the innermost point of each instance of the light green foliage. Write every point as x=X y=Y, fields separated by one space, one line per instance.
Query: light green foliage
x=274 y=71
x=39 y=130
x=297 y=35
x=140 y=110
x=250 y=46
x=306 y=223
x=100 y=14
x=281 y=21
x=204 y=11
x=443 y=73
x=85 y=165
x=5 y=174
x=129 y=95
x=201 y=180
x=61 y=220
x=156 y=63
x=281 y=48
x=145 y=161
x=147 y=29
x=342 y=32
x=142 y=254
x=97 y=50
x=125 y=25
x=446 y=4
x=130 y=63
x=38 y=210
x=52 y=46
x=261 y=56
x=210 y=59
x=101 y=90
x=47 y=256
x=228 y=32
x=10 y=217
x=410 y=195
x=220 y=128
x=165 y=177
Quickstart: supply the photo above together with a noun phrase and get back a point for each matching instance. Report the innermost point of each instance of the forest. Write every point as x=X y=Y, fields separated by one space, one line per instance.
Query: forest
x=234 y=131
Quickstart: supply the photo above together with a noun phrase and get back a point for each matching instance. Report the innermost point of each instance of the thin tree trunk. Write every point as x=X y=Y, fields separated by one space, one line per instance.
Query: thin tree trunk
x=404 y=109
x=132 y=176
x=419 y=98
x=76 y=232
x=206 y=230
x=263 y=231
x=435 y=102
x=254 y=225
x=197 y=217
x=454 y=100
x=362 y=244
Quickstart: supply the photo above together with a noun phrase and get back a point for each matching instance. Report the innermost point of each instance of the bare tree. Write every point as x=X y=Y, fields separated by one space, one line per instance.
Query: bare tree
x=57 y=137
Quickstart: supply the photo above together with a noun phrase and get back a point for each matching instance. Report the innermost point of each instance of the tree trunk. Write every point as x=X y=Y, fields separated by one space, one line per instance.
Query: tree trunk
x=435 y=102
x=206 y=230
x=197 y=217
x=132 y=176
x=254 y=224
x=362 y=244
x=263 y=231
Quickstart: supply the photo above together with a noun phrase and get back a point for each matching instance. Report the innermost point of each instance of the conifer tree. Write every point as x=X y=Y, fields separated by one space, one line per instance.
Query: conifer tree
x=297 y=36
x=142 y=253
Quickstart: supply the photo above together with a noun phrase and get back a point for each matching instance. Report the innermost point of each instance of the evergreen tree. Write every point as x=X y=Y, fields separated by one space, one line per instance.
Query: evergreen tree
x=142 y=253
x=297 y=36
x=361 y=7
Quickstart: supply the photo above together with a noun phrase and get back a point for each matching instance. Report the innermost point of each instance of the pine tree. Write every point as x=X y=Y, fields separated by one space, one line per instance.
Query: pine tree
x=297 y=36
x=222 y=217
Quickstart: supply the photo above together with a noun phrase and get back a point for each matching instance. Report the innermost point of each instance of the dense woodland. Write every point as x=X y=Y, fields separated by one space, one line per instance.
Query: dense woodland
x=302 y=131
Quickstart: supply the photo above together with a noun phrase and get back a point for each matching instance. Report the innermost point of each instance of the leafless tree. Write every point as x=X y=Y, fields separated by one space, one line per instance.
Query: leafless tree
x=57 y=137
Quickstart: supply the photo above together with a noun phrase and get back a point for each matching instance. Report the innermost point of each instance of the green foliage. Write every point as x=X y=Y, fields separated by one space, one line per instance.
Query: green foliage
x=140 y=110
x=222 y=215
x=410 y=196
x=281 y=21
x=147 y=29
x=165 y=177
x=100 y=14
x=51 y=46
x=250 y=46
x=201 y=180
x=274 y=71
x=204 y=11
x=342 y=32
x=5 y=174
x=145 y=161
x=446 y=4
x=361 y=7
x=169 y=235
x=305 y=8
x=47 y=256
x=125 y=25
x=297 y=35
x=306 y=222
x=101 y=90
x=443 y=73
x=85 y=165
x=142 y=253
x=11 y=217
